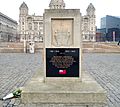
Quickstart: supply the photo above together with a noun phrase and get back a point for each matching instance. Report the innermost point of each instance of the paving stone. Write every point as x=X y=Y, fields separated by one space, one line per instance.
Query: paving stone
x=15 y=70
x=21 y=105
x=12 y=102
x=17 y=102
x=105 y=69
x=1 y=102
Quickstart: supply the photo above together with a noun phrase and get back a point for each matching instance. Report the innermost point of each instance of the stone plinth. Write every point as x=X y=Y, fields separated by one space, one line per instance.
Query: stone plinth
x=87 y=93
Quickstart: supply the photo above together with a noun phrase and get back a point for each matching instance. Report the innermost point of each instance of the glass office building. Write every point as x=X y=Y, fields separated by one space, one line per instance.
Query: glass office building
x=111 y=24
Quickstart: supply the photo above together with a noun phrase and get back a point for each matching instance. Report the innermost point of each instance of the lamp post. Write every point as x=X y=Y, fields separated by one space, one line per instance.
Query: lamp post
x=25 y=43
x=113 y=36
x=24 y=46
x=0 y=35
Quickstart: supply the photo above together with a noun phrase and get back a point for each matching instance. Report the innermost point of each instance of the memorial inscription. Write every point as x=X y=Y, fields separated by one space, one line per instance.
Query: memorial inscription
x=62 y=62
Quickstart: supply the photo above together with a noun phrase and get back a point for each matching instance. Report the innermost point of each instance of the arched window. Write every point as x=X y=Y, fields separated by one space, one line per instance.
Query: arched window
x=30 y=26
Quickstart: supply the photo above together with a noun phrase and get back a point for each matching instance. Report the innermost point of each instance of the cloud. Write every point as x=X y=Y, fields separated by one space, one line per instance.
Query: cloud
x=103 y=7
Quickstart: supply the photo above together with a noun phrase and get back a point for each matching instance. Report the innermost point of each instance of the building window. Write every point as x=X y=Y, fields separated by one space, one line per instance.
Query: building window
x=41 y=28
x=41 y=33
x=40 y=23
x=91 y=28
x=29 y=37
x=30 y=26
x=35 y=26
x=85 y=36
x=91 y=38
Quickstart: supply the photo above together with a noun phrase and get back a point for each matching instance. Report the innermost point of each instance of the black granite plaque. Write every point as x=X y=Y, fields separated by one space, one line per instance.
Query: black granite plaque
x=62 y=62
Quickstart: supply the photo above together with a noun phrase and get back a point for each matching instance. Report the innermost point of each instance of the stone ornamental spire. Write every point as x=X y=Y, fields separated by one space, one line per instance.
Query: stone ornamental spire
x=57 y=4
x=23 y=5
x=23 y=9
x=90 y=10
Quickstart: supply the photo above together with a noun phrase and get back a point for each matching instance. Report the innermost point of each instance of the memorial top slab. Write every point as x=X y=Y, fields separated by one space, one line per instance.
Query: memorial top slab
x=65 y=12
x=62 y=28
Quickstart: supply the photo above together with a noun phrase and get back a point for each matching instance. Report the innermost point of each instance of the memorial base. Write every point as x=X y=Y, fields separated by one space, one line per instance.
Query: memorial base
x=87 y=93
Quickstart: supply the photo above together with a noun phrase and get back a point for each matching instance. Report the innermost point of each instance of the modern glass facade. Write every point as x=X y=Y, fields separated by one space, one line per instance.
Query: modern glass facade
x=110 y=22
x=110 y=28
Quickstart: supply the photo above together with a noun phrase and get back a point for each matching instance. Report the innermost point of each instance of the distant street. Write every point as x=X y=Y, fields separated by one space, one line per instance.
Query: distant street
x=17 y=68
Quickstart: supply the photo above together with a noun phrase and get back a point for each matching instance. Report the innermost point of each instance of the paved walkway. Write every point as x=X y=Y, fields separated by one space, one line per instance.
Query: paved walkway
x=17 y=69
x=105 y=68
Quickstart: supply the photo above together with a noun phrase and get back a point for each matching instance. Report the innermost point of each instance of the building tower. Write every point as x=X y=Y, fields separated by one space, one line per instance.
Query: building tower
x=22 y=20
x=57 y=4
x=89 y=25
x=92 y=23
x=30 y=26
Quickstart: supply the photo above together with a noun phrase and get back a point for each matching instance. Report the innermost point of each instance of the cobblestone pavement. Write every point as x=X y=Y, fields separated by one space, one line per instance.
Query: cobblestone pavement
x=17 y=69
x=105 y=68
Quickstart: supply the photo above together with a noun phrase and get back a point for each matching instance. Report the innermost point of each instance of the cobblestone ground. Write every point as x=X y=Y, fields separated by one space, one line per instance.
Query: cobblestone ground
x=17 y=69
x=105 y=68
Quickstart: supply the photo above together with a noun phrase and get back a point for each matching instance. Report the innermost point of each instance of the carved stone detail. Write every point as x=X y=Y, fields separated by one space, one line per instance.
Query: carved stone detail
x=62 y=32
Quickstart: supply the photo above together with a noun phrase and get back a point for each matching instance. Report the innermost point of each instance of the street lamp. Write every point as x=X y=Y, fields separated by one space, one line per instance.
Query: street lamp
x=0 y=35
x=25 y=42
x=113 y=36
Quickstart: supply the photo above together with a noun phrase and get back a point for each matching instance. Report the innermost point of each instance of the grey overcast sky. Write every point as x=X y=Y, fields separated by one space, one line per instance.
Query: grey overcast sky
x=103 y=7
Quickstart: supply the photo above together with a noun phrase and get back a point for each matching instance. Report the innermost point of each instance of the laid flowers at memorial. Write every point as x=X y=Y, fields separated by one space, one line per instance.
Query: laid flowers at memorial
x=14 y=94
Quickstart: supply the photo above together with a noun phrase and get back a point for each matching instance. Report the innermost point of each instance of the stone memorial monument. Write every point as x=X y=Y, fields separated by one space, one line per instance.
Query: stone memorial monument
x=62 y=44
x=63 y=83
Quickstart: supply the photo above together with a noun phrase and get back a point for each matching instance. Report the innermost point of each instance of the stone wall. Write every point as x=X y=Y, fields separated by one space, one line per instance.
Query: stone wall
x=17 y=47
x=101 y=47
